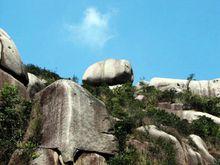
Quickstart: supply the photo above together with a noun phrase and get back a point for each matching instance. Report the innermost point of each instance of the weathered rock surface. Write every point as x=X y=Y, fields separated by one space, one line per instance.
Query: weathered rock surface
x=191 y=115
x=155 y=133
x=10 y=60
x=35 y=85
x=140 y=97
x=202 y=149
x=45 y=157
x=90 y=159
x=72 y=120
x=193 y=157
x=202 y=88
x=110 y=71
x=141 y=147
x=184 y=152
x=6 y=78
x=16 y=158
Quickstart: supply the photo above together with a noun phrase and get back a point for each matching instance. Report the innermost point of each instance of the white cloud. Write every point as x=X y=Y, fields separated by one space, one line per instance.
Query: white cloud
x=94 y=30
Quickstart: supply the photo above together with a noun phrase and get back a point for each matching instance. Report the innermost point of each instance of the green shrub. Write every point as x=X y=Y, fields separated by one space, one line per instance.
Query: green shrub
x=152 y=95
x=158 y=151
x=167 y=96
x=121 y=104
x=128 y=157
x=210 y=105
x=205 y=127
x=131 y=113
x=14 y=115
x=162 y=151
x=43 y=73
x=168 y=119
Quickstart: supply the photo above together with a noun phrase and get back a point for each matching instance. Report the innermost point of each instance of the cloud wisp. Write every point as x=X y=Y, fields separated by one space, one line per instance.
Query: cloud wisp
x=93 y=31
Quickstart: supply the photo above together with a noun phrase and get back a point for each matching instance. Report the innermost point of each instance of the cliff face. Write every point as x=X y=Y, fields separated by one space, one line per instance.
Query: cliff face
x=164 y=121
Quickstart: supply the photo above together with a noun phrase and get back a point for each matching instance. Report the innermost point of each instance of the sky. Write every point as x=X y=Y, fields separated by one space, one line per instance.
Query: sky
x=160 y=38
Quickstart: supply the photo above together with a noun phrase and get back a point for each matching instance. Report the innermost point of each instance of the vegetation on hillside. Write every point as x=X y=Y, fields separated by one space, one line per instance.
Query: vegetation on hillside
x=128 y=113
x=14 y=116
x=43 y=73
x=131 y=113
x=46 y=74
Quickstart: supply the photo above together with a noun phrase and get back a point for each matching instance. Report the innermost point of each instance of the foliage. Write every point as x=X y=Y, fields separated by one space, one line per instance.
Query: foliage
x=131 y=113
x=14 y=115
x=168 y=119
x=129 y=157
x=153 y=95
x=158 y=151
x=167 y=96
x=121 y=104
x=46 y=74
x=161 y=151
x=189 y=79
x=210 y=105
x=75 y=79
x=205 y=127
x=43 y=73
x=27 y=150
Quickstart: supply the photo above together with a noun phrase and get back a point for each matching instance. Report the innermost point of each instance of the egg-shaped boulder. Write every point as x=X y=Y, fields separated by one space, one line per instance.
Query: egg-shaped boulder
x=110 y=72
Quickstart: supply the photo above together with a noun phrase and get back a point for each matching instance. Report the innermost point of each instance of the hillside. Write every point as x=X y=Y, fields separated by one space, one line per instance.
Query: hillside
x=46 y=119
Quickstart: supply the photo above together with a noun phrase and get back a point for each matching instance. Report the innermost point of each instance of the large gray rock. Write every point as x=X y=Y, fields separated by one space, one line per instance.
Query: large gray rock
x=35 y=85
x=200 y=144
x=6 y=78
x=10 y=60
x=110 y=71
x=90 y=159
x=191 y=115
x=72 y=120
x=45 y=157
x=202 y=88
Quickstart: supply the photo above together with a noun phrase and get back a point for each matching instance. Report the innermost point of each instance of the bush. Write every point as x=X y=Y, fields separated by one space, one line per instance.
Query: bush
x=162 y=151
x=129 y=157
x=210 y=105
x=132 y=113
x=43 y=73
x=205 y=127
x=167 y=96
x=14 y=115
x=168 y=119
x=121 y=104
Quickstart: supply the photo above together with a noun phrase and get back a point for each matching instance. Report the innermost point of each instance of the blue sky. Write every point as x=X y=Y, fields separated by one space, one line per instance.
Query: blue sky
x=161 y=38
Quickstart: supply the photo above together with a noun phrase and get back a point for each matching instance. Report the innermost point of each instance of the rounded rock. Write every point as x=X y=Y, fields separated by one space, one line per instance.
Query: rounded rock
x=110 y=72
x=10 y=60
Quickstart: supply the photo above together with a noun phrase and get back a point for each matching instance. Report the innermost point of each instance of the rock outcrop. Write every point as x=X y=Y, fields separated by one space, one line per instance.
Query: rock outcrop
x=46 y=157
x=90 y=159
x=202 y=88
x=6 y=78
x=72 y=120
x=200 y=144
x=35 y=85
x=184 y=152
x=191 y=115
x=110 y=71
x=155 y=133
x=10 y=60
